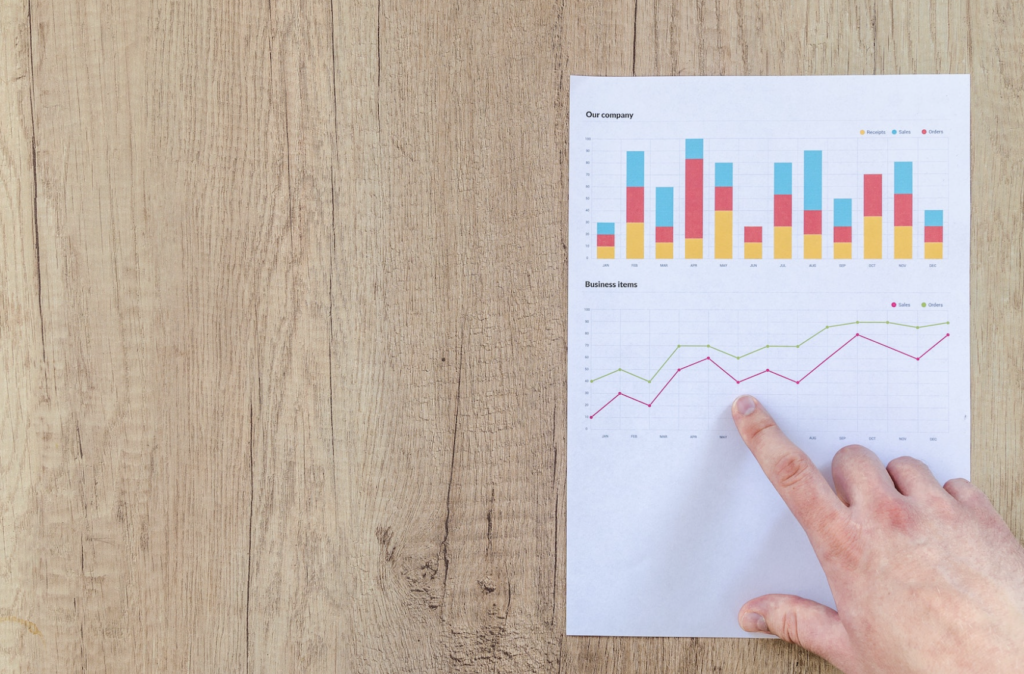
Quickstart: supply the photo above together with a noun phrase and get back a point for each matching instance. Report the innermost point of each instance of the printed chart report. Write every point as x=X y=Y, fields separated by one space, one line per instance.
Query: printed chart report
x=801 y=239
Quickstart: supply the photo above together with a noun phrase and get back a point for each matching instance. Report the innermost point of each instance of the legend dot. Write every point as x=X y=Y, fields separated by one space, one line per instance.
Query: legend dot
x=924 y=131
x=893 y=305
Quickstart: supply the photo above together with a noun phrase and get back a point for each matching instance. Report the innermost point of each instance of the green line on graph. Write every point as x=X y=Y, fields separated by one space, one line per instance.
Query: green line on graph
x=766 y=346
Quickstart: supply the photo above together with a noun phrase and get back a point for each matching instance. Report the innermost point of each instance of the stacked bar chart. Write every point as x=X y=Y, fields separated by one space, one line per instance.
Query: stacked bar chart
x=635 y=205
x=752 y=243
x=684 y=182
x=873 y=216
x=812 y=204
x=933 y=235
x=903 y=210
x=723 y=211
x=664 y=203
x=783 y=229
x=606 y=240
x=842 y=231
x=694 y=198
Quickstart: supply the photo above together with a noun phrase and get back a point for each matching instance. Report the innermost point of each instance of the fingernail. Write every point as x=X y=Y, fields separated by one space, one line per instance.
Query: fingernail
x=744 y=405
x=753 y=622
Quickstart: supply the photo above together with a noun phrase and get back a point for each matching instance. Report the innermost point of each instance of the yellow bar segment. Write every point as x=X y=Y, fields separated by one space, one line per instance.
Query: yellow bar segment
x=723 y=235
x=932 y=251
x=872 y=237
x=635 y=240
x=812 y=246
x=752 y=251
x=783 y=242
x=904 y=243
x=843 y=251
x=663 y=251
x=605 y=253
x=694 y=249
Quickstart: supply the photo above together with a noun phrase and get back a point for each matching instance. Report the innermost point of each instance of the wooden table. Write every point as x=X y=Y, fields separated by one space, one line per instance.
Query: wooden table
x=283 y=317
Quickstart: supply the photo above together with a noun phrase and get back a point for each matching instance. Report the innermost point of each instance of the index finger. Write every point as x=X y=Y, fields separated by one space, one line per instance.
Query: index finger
x=792 y=473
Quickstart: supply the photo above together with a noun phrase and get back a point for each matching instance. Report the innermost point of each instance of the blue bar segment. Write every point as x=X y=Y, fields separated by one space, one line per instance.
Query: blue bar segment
x=933 y=218
x=812 y=180
x=904 y=183
x=663 y=206
x=694 y=148
x=634 y=169
x=723 y=175
x=784 y=178
x=843 y=216
x=605 y=228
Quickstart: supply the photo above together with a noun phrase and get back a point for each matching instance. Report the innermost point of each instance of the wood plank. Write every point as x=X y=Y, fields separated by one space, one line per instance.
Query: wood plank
x=25 y=394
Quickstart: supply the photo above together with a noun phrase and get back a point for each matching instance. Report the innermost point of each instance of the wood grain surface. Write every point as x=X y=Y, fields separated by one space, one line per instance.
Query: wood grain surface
x=283 y=317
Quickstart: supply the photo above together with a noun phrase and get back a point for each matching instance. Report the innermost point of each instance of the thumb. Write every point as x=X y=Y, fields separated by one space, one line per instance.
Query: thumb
x=800 y=621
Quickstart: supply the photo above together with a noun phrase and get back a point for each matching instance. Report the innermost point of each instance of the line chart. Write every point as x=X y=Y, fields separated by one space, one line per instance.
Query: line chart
x=620 y=394
x=766 y=346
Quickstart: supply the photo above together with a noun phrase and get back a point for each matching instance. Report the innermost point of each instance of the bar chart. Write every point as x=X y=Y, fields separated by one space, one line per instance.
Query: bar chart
x=748 y=198
x=812 y=204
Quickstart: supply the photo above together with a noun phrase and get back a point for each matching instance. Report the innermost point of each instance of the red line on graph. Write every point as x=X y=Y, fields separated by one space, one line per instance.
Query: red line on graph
x=766 y=371
x=890 y=348
x=931 y=347
x=832 y=354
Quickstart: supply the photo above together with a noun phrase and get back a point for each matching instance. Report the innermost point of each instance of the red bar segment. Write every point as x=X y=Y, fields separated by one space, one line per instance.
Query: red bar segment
x=606 y=240
x=752 y=235
x=663 y=234
x=812 y=222
x=723 y=198
x=872 y=195
x=694 y=198
x=634 y=204
x=783 y=210
x=904 y=210
x=933 y=234
x=843 y=234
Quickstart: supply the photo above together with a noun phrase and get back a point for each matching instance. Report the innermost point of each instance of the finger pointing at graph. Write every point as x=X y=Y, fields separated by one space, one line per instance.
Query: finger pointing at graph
x=794 y=475
x=925 y=579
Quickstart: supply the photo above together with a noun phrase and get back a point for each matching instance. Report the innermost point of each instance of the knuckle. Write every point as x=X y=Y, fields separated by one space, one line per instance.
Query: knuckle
x=789 y=627
x=793 y=470
x=965 y=492
x=845 y=548
x=958 y=485
x=850 y=457
x=756 y=432
x=894 y=512
x=850 y=451
x=907 y=465
x=902 y=462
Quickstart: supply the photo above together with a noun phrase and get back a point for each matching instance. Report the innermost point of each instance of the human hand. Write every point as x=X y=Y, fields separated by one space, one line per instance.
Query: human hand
x=925 y=578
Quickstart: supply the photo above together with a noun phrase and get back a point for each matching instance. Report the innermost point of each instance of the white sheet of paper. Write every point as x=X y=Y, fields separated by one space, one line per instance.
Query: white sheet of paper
x=672 y=526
